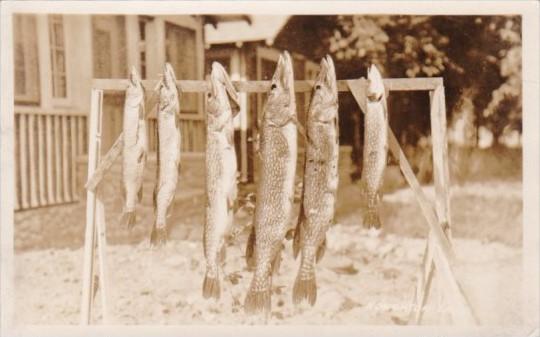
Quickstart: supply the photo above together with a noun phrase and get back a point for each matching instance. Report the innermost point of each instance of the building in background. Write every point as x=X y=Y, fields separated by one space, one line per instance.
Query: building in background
x=57 y=56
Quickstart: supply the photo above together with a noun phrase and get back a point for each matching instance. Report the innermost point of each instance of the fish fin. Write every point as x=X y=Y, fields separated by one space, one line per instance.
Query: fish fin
x=297 y=240
x=230 y=137
x=211 y=287
x=222 y=254
x=372 y=219
x=154 y=197
x=257 y=301
x=250 y=250
x=321 y=250
x=305 y=288
x=169 y=207
x=139 y=194
x=128 y=219
x=277 y=260
x=158 y=237
x=231 y=198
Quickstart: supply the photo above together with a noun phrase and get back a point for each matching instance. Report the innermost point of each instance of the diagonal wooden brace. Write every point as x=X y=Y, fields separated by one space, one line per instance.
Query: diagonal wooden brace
x=443 y=254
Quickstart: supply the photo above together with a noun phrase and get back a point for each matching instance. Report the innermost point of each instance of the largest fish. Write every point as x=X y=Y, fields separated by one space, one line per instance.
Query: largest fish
x=168 y=154
x=275 y=190
x=320 y=181
x=221 y=189
x=135 y=148
x=375 y=146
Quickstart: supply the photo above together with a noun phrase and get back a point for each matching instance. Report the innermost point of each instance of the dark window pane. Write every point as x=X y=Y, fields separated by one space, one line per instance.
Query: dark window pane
x=26 y=68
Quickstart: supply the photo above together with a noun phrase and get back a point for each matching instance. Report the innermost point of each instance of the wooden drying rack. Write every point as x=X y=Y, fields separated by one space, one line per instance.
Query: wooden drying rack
x=438 y=253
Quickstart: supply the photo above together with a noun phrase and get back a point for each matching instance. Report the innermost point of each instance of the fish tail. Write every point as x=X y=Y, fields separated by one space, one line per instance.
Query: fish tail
x=305 y=285
x=128 y=219
x=211 y=285
x=158 y=236
x=258 y=299
x=372 y=219
x=250 y=250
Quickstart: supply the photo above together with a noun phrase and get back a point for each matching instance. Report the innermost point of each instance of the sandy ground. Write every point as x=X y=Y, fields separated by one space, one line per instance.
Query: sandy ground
x=362 y=280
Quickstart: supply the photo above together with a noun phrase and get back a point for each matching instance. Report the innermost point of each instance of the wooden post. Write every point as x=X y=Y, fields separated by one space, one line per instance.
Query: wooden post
x=102 y=254
x=41 y=160
x=23 y=168
x=49 y=133
x=33 y=161
x=442 y=198
x=73 y=155
x=65 y=160
x=94 y=149
x=58 y=158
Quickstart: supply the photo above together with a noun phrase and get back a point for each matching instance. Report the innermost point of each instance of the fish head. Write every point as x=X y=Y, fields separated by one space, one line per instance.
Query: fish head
x=135 y=90
x=168 y=91
x=281 y=96
x=222 y=99
x=375 y=89
x=324 y=101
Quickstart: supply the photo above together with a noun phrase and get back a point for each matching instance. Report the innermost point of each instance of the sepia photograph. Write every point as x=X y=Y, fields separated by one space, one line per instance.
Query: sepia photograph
x=272 y=164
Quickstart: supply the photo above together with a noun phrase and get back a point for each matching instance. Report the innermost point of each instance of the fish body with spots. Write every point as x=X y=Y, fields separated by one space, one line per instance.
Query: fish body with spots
x=168 y=154
x=135 y=148
x=221 y=168
x=375 y=147
x=275 y=190
x=320 y=181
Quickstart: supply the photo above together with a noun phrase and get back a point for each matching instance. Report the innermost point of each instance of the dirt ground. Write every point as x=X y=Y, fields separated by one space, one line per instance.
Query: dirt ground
x=361 y=280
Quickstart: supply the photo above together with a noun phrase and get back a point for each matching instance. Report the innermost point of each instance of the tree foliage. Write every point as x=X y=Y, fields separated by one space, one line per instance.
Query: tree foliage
x=478 y=56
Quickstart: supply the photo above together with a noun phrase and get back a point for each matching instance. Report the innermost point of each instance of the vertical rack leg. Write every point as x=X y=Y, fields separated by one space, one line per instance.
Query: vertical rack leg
x=94 y=149
x=442 y=206
x=427 y=270
x=102 y=253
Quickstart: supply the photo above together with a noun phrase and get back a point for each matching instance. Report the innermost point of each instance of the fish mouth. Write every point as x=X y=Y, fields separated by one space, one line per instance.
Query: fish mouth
x=327 y=76
x=169 y=78
x=375 y=90
x=284 y=75
x=134 y=76
x=219 y=77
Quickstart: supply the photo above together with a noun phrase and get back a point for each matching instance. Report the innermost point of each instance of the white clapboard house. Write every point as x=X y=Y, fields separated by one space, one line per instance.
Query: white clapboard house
x=56 y=57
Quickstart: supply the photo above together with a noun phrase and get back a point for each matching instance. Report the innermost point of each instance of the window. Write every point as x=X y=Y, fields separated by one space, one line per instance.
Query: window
x=181 y=53
x=102 y=54
x=109 y=46
x=58 y=56
x=25 y=59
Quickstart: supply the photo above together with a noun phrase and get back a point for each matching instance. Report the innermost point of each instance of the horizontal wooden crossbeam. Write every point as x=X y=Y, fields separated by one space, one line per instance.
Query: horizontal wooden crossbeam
x=392 y=84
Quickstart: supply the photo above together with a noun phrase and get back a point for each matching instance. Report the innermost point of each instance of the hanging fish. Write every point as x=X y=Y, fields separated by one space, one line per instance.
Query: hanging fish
x=320 y=181
x=375 y=146
x=275 y=190
x=221 y=189
x=135 y=148
x=168 y=154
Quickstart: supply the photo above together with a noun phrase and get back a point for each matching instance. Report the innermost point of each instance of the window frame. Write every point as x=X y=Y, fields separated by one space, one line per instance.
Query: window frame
x=58 y=101
x=195 y=24
x=32 y=96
